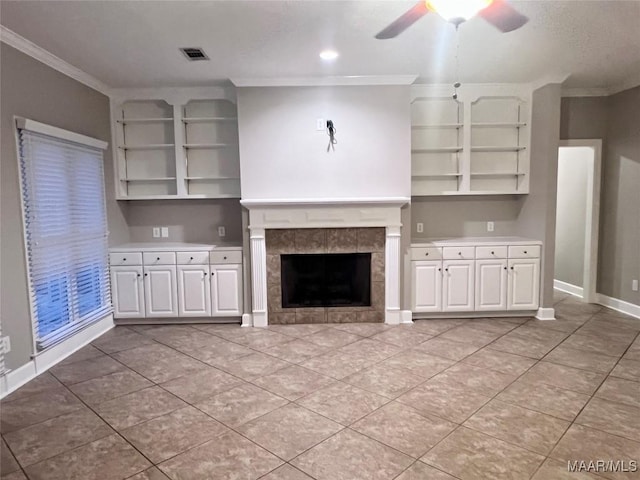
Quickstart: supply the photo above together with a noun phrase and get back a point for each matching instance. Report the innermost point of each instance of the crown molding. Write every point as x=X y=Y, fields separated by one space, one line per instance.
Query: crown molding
x=549 y=79
x=630 y=82
x=585 y=92
x=27 y=47
x=331 y=81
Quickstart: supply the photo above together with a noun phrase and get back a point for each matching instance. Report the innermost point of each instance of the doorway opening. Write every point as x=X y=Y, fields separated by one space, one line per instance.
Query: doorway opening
x=578 y=217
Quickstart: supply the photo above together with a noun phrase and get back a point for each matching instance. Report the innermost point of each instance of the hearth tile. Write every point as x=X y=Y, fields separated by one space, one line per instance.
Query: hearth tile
x=274 y=299
x=274 y=272
x=342 y=402
x=377 y=267
x=342 y=240
x=310 y=240
x=371 y=316
x=334 y=459
x=282 y=318
x=289 y=431
x=403 y=428
x=371 y=239
x=377 y=296
x=280 y=241
x=340 y=317
x=469 y=454
x=241 y=404
x=311 y=315
x=293 y=382
x=386 y=381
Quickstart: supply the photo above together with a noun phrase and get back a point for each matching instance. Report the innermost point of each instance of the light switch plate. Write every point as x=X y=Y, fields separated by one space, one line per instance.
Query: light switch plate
x=419 y=227
x=6 y=344
x=165 y=232
x=634 y=285
x=490 y=226
x=222 y=231
x=320 y=124
x=156 y=232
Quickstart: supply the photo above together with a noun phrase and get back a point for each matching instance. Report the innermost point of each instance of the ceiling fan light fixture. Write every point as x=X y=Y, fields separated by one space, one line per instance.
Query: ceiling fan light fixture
x=328 y=55
x=457 y=11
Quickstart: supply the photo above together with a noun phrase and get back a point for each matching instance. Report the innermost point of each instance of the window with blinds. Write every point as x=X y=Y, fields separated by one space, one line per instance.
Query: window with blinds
x=65 y=226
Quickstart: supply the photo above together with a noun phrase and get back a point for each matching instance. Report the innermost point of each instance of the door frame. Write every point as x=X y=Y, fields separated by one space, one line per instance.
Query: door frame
x=592 y=224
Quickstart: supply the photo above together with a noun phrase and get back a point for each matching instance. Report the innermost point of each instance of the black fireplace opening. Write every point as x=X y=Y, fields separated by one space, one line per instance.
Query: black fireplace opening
x=326 y=280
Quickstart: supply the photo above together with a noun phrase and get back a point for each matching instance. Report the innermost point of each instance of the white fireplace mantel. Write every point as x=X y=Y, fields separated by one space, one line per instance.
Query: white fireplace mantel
x=325 y=213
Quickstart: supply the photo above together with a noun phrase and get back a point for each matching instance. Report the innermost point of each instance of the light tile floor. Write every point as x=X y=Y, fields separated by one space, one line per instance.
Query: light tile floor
x=511 y=398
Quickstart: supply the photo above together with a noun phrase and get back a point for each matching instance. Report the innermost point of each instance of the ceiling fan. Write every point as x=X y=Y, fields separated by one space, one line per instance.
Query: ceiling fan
x=497 y=12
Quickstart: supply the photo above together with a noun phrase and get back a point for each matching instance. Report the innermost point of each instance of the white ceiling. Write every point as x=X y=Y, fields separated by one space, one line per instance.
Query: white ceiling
x=135 y=43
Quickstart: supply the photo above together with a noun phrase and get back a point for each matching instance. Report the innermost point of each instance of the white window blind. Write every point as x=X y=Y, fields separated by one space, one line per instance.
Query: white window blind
x=66 y=233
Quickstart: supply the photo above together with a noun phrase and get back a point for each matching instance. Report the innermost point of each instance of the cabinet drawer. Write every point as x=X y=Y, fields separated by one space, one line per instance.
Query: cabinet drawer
x=233 y=256
x=488 y=253
x=525 y=251
x=192 y=258
x=127 y=258
x=459 y=253
x=426 y=253
x=159 y=258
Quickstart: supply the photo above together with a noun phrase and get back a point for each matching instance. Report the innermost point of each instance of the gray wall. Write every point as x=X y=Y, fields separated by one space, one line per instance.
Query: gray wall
x=616 y=120
x=194 y=221
x=30 y=89
x=537 y=217
x=464 y=216
x=574 y=165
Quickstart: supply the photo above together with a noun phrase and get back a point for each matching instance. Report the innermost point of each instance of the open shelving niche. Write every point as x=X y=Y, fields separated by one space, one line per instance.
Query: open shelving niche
x=475 y=145
x=176 y=147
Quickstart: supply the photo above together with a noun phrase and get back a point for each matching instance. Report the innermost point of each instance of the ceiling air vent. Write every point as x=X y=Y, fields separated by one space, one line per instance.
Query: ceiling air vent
x=194 y=53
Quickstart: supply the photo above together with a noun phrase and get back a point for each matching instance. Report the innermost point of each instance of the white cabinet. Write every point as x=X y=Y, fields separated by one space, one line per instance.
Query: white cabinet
x=427 y=282
x=160 y=292
x=448 y=276
x=226 y=290
x=194 y=293
x=491 y=285
x=457 y=286
x=127 y=292
x=524 y=284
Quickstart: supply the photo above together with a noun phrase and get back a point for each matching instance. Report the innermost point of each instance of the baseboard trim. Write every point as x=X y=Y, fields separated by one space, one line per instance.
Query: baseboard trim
x=474 y=314
x=45 y=360
x=406 y=317
x=546 y=314
x=618 y=305
x=568 y=288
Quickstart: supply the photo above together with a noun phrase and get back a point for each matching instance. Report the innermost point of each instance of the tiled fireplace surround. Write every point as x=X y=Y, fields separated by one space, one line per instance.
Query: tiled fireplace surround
x=325 y=240
x=365 y=225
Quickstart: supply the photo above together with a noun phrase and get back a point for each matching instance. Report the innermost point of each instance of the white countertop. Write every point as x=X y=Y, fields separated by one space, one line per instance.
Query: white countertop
x=471 y=241
x=171 y=247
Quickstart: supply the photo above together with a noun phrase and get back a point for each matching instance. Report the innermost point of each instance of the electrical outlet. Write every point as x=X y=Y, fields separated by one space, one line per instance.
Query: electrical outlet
x=6 y=344
x=165 y=232
x=221 y=231
x=320 y=125
x=634 y=285
x=490 y=226
x=156 y=232
x=420 y=227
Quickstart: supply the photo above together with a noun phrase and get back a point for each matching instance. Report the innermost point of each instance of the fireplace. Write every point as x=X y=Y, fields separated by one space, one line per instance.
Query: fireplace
x=326 y=280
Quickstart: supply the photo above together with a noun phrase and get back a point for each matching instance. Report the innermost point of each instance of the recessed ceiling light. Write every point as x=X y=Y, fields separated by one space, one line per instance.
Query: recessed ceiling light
x=328 y=55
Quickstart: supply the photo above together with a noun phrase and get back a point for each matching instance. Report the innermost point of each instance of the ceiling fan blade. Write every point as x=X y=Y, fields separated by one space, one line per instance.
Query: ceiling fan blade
x=404 y=21
x=503 y=16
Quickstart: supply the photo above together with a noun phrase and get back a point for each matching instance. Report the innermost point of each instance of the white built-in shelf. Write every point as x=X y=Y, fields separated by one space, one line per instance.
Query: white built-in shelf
x=497 y=174
x=209 y=119
x=497 y=149
x=148 y=179
x=211 y=179
x=208 y=145
x=499 y=124
x=437 y=150
x=127 y=121
x=150 y=146
x=484 y=192
x=437 y=126
x=436 y=175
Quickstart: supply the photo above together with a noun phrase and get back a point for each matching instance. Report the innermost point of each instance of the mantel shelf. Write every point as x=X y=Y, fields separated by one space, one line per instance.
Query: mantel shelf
x=209 y=119
x=125 y=121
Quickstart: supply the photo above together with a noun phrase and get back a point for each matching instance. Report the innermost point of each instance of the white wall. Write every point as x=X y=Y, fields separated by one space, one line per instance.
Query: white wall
x=282 y=155
x=571 y=213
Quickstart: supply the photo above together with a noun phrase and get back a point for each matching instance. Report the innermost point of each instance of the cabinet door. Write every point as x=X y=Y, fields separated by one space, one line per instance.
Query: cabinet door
x=160 y=291
x=524 y=284
x=127 y=292
x=457 y=285
x=226 y=290
x=491 y=284
x=194 y=292
x=426 y=293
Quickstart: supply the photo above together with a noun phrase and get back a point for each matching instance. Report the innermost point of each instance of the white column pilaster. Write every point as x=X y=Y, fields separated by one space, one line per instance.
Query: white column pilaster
x=392 y=276
x=259 y=277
